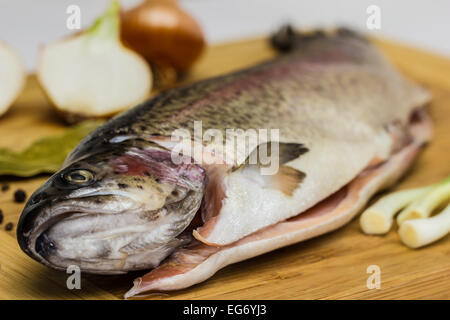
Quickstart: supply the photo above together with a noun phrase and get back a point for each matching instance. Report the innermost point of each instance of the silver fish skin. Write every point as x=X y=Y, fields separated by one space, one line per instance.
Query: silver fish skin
x=120 y=204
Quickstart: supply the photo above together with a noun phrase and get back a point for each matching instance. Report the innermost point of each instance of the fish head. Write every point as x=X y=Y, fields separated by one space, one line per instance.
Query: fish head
x=118 y=210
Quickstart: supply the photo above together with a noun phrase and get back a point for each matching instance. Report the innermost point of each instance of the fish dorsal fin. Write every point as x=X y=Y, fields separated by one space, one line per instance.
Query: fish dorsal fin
x=266 y=165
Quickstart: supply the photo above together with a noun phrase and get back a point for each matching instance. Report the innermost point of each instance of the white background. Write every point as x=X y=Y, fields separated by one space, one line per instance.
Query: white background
x=26 y=24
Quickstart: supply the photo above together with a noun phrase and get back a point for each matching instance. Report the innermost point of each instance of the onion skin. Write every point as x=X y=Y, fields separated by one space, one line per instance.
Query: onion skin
x=163 y=34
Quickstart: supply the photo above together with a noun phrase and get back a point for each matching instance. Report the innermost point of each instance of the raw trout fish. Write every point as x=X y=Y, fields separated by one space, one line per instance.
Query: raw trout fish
x=348 y=126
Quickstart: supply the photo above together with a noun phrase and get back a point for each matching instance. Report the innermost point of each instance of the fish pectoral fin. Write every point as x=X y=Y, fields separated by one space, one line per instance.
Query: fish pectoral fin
x=265 y=153
x=290 y=151
x=287 y=180
x=260 y=167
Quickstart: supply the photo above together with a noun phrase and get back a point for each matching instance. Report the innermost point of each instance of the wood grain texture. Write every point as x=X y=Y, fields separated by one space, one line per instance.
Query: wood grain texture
x=332 y=266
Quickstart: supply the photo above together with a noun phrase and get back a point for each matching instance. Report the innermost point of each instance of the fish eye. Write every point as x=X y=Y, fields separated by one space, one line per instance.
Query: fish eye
x=79 y=177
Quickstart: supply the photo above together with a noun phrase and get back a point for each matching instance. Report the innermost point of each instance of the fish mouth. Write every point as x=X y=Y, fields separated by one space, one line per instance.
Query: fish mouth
x=105 y=241
x=35 y=226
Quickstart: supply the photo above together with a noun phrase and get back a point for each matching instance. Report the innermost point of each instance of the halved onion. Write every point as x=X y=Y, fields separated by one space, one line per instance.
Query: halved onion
x=12 y=76
x=93 y=74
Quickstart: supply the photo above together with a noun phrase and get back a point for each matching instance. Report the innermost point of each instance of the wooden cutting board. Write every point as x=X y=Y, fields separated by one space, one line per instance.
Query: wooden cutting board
x=332 y=266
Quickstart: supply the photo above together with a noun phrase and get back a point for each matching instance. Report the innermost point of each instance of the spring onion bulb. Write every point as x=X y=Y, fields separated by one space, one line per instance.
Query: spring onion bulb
x=420 y=232
x=378 y=218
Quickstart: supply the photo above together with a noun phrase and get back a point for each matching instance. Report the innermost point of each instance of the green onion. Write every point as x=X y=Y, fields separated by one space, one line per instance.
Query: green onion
x=420 y=232
x=424 y=206
x=378 y=218
x=417 y=228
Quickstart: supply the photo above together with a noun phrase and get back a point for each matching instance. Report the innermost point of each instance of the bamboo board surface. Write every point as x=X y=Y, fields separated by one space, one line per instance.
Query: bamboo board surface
x=332 y=266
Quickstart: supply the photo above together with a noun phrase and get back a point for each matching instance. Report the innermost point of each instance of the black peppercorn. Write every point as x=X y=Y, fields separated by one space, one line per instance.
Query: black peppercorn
x=5 y=187
x=20 y=196
x=1 y=216
x=9 y=226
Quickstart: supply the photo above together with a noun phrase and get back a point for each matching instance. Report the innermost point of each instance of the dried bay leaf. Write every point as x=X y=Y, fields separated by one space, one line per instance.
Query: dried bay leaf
x=45 y=155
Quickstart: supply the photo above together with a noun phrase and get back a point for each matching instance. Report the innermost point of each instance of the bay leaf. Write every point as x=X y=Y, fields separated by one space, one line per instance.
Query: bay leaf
x=45 y=155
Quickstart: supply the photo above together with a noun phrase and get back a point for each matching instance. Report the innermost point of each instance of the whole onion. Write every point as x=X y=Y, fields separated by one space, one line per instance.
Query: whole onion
x=163 y=33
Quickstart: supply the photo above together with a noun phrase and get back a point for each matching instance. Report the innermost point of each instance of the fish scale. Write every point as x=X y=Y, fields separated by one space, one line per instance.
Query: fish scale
x=355 y=83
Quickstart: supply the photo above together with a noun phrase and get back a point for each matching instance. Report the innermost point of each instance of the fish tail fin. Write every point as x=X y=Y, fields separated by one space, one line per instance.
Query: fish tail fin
x=287 y=38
